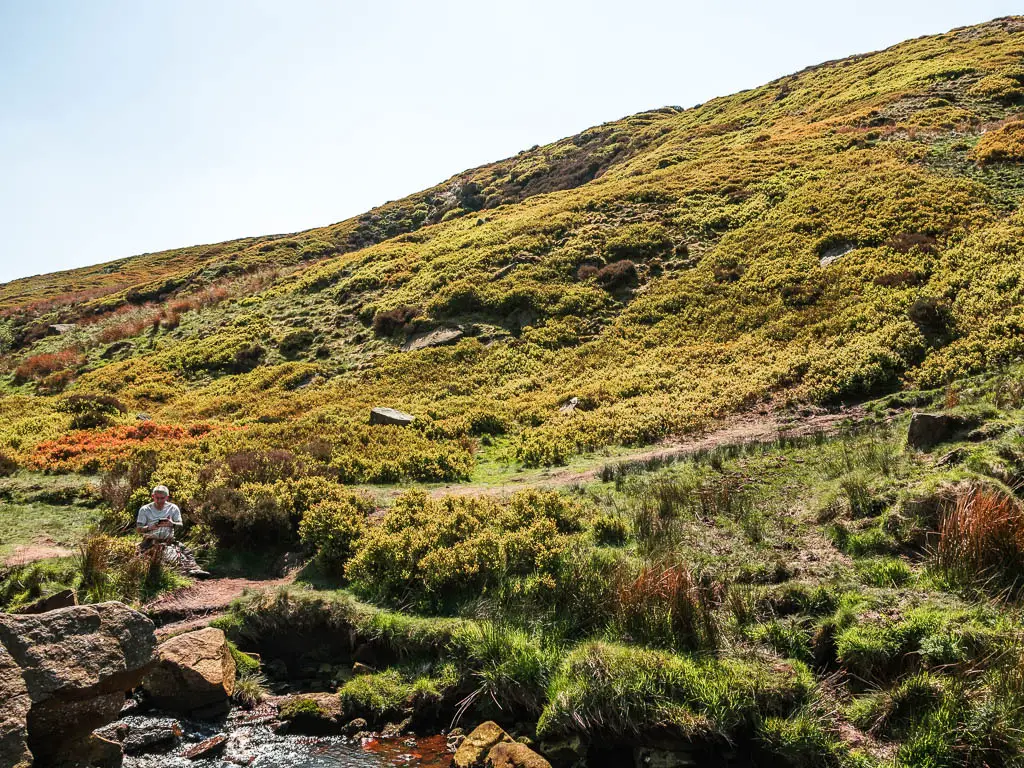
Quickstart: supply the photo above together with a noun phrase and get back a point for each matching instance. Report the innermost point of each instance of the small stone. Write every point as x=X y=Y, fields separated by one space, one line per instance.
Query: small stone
x=438 y=338
x=212 y=747
x=570 y=751
x=156 y=736
x=392 y=730
x=353 y=727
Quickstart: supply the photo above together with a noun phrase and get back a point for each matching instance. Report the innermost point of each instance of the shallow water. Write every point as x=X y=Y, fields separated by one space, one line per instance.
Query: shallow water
x=251 y=743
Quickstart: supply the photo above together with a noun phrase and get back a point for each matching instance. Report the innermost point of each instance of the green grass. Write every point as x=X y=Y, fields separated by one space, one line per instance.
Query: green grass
x=43 y=524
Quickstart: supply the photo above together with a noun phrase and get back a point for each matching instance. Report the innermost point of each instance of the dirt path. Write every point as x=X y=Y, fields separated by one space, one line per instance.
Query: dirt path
x=749 y=428
x=197 y=605
x=41 y=550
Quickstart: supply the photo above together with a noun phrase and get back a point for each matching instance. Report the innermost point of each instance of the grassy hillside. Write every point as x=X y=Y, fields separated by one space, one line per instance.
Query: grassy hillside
x=835 y=234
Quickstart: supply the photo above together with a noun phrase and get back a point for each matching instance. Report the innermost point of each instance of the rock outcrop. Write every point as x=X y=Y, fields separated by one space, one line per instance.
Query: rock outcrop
x=929 y=429
x=438 y=338
x=65 y=673
x=391 y=416
x=13 y=713
x=194 y=674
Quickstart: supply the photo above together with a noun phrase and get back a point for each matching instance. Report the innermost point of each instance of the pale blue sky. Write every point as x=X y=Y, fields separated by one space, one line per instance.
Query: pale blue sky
x=129 y=126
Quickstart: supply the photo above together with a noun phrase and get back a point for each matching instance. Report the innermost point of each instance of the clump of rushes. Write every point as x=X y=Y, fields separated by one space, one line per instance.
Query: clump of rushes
x=621 y=691
x=250 y=689
x=981 y=541
x=664 y=605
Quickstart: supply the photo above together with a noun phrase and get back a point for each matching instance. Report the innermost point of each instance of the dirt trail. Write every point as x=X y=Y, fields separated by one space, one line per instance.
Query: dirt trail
x=197 y=605
x=748 y=428
x=41 y=550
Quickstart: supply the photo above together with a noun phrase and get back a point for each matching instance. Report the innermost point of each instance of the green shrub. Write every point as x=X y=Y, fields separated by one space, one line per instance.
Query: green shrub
x=790 y=638
x=332 y=528
x=610 y=530
x=509 y=670
x=434 y=553
x=378 y=695
x=91 y=411
x=301 y=707
x=245 y=665
x=885 y=572
x=260 y=515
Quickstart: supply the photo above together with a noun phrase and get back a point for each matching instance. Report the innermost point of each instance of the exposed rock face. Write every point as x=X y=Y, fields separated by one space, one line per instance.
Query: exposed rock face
x=438 y=338
x=929 y=429
x=473 y=751
x=391 y=416
x=514 y=755
x=13 y=713
x=194 y=672
x=66 y=598
x=74 y=665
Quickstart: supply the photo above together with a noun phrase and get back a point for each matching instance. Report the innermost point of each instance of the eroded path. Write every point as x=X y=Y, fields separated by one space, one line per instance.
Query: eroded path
x=752 y=427
x=197 y=605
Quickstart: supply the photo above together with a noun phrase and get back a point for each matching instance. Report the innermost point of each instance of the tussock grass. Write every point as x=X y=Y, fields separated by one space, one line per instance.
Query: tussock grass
x=981 y=541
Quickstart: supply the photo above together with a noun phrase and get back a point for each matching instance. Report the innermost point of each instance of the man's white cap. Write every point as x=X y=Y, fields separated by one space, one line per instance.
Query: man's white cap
x=162 y=489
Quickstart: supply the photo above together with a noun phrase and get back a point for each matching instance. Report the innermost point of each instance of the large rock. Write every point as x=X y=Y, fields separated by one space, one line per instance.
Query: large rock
x=439 y=338
x=391 y=416
x=194 y=673
x=514 y=755
x=13 y=713
x=75 y=666
x=929 y=429
x=473 y=751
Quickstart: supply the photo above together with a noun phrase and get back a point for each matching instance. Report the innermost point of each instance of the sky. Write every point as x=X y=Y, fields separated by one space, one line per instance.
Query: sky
x=129 y=127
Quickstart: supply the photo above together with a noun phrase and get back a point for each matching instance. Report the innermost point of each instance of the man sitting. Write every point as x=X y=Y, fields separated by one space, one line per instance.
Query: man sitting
x=157 y=522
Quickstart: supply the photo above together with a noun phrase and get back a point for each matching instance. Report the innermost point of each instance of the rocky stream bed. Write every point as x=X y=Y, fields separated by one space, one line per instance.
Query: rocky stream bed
x=246 y=738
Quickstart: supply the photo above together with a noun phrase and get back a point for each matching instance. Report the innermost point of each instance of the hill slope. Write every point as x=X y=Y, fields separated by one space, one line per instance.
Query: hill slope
x=845 y=231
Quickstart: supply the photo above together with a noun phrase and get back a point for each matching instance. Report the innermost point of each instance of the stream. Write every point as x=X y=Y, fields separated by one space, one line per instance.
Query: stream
x=252 y=743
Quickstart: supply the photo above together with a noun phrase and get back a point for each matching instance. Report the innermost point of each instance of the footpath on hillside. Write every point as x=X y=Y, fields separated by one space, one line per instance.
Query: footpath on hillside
x=752 y=427
x=198 y=604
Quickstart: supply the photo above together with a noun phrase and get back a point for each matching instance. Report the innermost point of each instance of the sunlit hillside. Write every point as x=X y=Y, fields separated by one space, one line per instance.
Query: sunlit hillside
x=846 y=231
